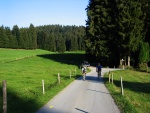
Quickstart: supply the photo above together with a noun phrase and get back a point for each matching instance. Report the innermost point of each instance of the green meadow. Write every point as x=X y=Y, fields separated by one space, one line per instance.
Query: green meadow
x=136 y=98
x=24 y=71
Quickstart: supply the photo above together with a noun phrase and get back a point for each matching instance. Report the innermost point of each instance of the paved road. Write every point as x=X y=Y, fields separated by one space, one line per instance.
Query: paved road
x=90 y=96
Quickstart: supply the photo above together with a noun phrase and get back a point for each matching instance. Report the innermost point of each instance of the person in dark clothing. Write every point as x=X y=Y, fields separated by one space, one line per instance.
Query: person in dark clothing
x=98 y=70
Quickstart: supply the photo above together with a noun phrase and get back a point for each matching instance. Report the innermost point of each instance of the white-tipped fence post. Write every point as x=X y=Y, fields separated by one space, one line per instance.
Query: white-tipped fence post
x=70 y=74
x=4 y=96
x=43 y=86
x=109 y=77
x=112 y=78
x=121 y=86
x=58 y=78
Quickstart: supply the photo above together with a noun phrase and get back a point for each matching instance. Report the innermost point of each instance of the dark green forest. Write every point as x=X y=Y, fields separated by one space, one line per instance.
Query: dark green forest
x=48 y=37
x=118 y=31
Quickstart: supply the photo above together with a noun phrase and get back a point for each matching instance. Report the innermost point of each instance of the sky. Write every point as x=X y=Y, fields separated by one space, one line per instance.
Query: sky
x=42 y=12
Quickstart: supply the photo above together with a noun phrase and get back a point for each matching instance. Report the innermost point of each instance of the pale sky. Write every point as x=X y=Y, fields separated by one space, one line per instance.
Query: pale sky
x=42 y=12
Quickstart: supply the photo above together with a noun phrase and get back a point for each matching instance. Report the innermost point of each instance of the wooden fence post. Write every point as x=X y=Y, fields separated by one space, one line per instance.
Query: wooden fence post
x=121 y=86
x=4 y=96
x=109 y=77
x=58 y=78
x=70 y=74
x=112 y=78
x=43 y=86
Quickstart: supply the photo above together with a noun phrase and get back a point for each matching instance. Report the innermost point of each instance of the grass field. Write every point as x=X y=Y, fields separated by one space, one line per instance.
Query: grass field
x=24 y=71
x=8 y=55
x=136 y=85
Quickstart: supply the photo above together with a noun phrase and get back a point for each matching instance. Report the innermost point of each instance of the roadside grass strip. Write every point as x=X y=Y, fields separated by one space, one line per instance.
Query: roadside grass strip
x=136 y=98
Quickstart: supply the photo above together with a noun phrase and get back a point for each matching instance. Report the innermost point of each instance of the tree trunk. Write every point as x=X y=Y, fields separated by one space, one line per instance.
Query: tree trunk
x=128 y=60
x=120 y=62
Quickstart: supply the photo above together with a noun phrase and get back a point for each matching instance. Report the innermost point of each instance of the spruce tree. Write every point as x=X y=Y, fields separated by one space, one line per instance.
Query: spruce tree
x=16 y=34
x=32 y=37
x=1 y=36
x=10 y=37
x=131 y=24
x=114 y=29
x=97 y=29
x=46 y=42
x=52 y=42
x=24 y=36
x=144 y=53
x=61 y=44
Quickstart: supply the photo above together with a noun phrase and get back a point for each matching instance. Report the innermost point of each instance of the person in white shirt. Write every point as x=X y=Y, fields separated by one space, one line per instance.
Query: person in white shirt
x=83 y=69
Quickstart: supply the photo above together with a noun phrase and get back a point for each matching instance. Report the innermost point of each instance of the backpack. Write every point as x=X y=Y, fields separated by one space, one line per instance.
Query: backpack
x=83 y=69
x=99 y=68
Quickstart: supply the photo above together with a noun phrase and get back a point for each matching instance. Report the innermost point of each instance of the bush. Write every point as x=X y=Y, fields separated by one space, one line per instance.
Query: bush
x=129 y=68
x=143 y=66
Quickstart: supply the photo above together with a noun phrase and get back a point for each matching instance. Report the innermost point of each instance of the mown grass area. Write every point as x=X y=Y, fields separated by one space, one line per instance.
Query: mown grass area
x=7 y=55
x=136 y=98
x=24 y=77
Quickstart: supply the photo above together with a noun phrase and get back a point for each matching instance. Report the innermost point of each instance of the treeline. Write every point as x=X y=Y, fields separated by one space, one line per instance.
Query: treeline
x=61 y=38
x=119 y=29
x=49 y=37
x=23 y=38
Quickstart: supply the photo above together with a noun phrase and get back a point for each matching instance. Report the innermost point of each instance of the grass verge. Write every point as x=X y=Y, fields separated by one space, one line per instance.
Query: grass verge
x=136 y=98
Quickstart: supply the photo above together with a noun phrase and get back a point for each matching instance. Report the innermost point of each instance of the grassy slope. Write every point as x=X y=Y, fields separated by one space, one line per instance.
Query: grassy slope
x=7 y=55
x=24 y=77
x=136 y=97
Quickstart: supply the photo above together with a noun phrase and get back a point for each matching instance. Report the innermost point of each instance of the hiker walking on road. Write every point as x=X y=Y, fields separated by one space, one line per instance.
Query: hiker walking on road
x=98 y=70
x=83 y=69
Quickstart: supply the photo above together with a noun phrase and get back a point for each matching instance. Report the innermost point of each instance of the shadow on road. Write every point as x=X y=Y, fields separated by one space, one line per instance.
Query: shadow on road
x=82 y=111
x=92 y=79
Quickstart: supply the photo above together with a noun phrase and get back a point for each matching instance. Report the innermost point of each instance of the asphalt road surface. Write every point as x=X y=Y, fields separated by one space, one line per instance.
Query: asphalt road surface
x=89 y=96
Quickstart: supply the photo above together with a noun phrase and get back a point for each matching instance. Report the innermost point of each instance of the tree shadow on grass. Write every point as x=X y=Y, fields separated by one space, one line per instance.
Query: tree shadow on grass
x=15 y=104
x=133 y=86
x=67 y=58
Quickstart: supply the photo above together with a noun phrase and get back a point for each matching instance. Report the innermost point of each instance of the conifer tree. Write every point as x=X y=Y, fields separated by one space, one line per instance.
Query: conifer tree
x=131 y=24
x=32 y=37
x=52 y=42
x=61 y=44
x=46 y=41
x=24 y=35
x=97 y=29
x=16 y=34
x=1 y=36
x=144 y=53
x=10 y=38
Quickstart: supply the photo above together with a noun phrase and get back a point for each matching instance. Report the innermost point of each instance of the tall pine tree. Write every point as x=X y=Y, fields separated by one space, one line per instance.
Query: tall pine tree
x=32 y=37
